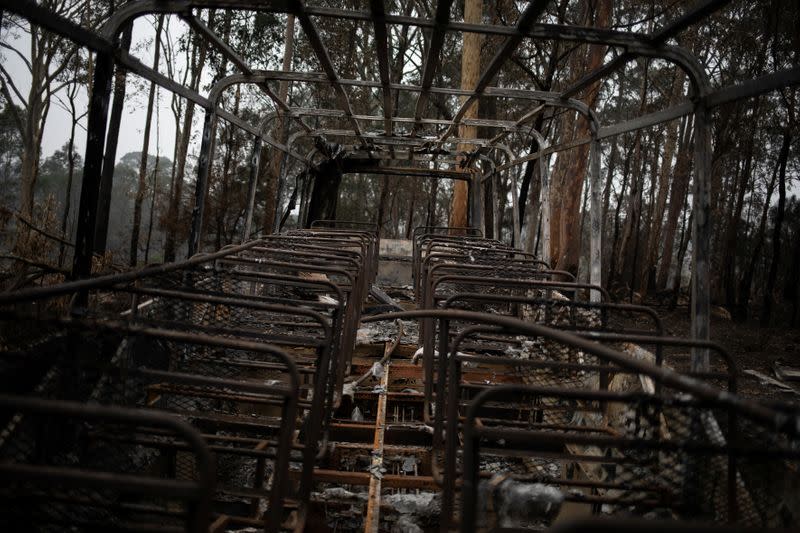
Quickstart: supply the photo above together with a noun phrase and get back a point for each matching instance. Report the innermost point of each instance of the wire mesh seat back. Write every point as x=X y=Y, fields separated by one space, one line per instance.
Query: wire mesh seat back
x=654 y=412
x=368 y=241
x=69 y=465
x=310 y=283
x=629 y=454
x=242 y=396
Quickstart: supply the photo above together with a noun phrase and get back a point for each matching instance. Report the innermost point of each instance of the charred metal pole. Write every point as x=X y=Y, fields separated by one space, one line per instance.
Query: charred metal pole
x=281 y=182
x=544 y=200
x=595 y=219
x=110 y=158
x=93 y=164
x=515 y=207
x=476 y=200
x=251 y=188
x=201 y=187
x=495 y=202
x=701 y=237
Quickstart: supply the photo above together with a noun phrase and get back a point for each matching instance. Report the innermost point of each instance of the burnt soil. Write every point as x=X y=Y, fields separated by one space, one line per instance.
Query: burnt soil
x=751 y=346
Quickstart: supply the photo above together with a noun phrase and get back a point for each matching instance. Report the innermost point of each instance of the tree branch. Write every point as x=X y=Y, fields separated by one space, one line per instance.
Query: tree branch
x=6 y=79
x=19 y=54
x=14 y=110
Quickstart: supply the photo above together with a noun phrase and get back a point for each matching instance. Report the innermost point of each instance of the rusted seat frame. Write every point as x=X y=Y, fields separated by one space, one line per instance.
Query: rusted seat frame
x=198 y=494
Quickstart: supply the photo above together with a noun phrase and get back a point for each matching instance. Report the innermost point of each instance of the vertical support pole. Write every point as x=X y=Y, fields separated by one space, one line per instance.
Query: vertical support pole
x=201 y=188
x=276 y=222
x=476 y=201
x=701 y=233
x=525 y=230
x=92 y=168
x=495 y=205
x=544 y=200
x=251 y=188
x=595 y=224
x=515 y=208
x=110 y=158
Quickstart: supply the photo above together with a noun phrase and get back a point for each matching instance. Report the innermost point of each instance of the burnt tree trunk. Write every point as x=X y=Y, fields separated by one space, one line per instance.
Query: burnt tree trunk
x=470 y=73
x=769 y=289
x=677 y=194
x=732 y=232
x=271 y=173
x=142 y=185
x=657 y=217
x=570 y=168
x=198 y=61
x=746 y=283
x=322 y=205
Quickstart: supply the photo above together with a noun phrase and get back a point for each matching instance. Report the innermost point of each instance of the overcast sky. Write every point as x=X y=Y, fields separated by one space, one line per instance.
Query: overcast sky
x=56 y=132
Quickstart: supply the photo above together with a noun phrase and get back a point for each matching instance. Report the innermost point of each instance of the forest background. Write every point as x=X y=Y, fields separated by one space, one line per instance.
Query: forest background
x=646 y=198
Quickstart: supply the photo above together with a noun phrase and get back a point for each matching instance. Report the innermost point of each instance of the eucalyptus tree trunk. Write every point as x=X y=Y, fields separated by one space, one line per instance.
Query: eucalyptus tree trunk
x=769 y=289
x=470 y=73
x=271 y=174
x=72 y=93
x=677 y=193
x=746 y=283
x=657 y=217
x=569 y=171
x=198 y=61
x=142 y=185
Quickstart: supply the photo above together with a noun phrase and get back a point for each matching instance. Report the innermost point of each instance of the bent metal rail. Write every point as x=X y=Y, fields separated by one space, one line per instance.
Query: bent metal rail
x=199 y=340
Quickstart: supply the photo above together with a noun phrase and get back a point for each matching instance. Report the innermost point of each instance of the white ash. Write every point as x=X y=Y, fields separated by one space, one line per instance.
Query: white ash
x=339 y=494
x=422 y=505
x=405 y=524
x=377 y=471
x=327 y=300
x=520 y=505
x=376 y=370
x=386 y=331
x=349 y=389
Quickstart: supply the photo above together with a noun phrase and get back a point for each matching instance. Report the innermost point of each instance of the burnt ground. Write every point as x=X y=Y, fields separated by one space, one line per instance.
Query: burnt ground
x=751 y=346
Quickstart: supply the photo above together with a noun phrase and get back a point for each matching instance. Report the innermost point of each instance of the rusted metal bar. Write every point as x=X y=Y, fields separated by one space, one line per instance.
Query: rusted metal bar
x=196 y=493
x=389 y=481
x=200 y=27
x=765 y=415
x=312 y=34
x=696 y=13
x=252 y=184
x=526 y=20
x=431 y=63
x=410 y=172
x=372 y=517
x=382 y=49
